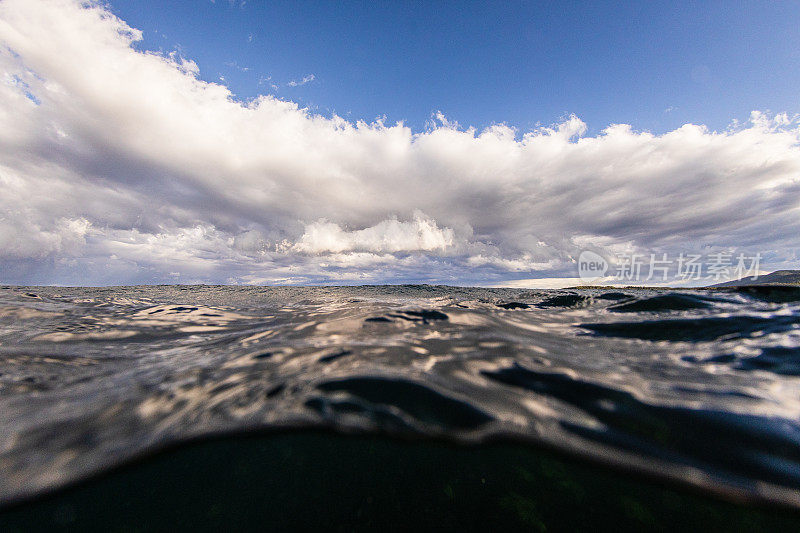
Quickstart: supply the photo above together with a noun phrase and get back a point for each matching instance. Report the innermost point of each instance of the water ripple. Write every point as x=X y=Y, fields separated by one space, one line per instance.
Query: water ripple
x=696 y=386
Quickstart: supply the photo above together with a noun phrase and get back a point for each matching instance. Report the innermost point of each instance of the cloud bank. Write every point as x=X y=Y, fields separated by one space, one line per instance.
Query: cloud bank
x=123 y=166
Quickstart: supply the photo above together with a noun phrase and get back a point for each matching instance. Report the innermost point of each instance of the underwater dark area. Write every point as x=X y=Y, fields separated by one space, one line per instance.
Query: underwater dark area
x=391 y=407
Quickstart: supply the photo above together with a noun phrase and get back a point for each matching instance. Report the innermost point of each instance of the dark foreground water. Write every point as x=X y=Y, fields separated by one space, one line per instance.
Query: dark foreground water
x=390 y=407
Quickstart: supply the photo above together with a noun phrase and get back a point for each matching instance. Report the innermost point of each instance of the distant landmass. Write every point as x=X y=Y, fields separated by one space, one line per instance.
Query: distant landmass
x=779 y=277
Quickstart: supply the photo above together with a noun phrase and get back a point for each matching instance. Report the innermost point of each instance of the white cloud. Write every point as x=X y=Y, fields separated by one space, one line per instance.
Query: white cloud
x=306 y=79
x=27 y=240
x=126 y=167
x=420 y=234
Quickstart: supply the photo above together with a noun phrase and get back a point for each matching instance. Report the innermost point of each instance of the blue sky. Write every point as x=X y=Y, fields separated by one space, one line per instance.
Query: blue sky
x=232 y=142
x=654 y=65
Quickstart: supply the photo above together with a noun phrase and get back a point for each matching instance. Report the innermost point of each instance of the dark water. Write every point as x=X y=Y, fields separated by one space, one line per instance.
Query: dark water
x=399 y=405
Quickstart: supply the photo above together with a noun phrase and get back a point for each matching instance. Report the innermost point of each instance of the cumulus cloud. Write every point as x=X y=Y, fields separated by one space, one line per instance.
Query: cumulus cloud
x=123 y=166
x=421 y=234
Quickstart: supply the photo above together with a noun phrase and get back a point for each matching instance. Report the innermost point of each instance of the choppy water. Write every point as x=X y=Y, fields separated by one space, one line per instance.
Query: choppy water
x=698 y=387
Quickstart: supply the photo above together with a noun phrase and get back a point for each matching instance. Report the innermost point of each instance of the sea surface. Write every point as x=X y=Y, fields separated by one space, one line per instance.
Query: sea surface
x=353 y=402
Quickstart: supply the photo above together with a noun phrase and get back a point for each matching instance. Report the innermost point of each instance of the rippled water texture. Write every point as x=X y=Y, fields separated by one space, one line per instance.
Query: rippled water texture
x=699 y=387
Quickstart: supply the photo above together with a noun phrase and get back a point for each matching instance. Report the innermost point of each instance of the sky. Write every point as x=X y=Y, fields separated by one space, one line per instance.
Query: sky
x=392 y=142
x=654 y=65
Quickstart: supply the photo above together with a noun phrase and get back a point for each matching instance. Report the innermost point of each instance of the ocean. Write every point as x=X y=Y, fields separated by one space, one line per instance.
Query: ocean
x=390 y=407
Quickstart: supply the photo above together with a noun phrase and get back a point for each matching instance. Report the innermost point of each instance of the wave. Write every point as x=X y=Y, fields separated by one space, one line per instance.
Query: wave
x=691 y=387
